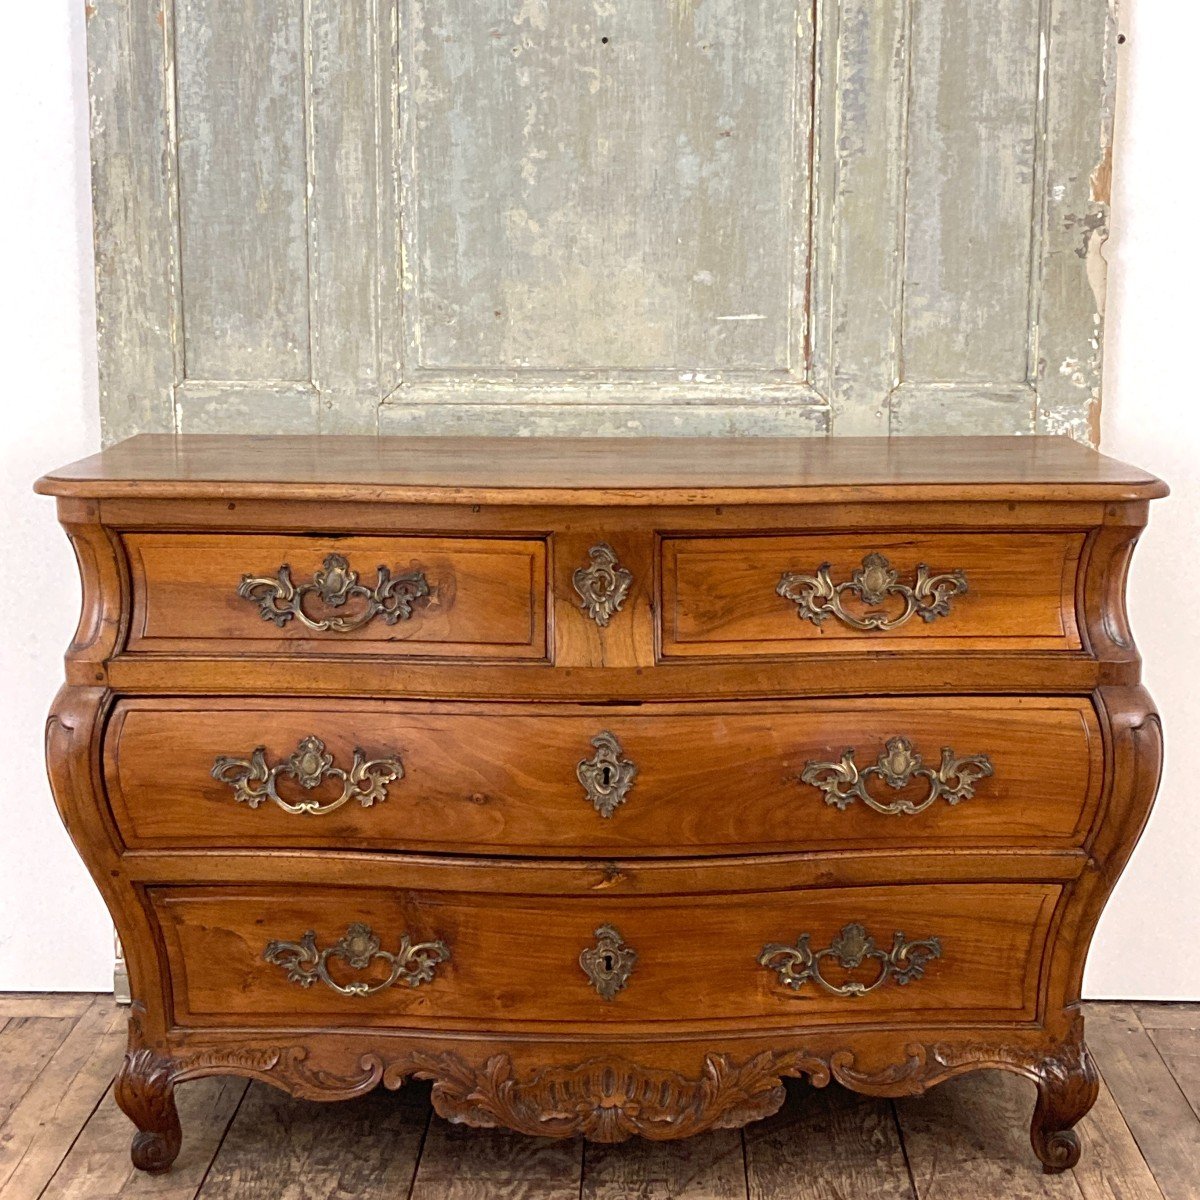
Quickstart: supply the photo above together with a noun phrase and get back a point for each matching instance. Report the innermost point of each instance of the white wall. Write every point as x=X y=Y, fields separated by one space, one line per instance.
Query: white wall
x=1145 y=943
x=54 y=933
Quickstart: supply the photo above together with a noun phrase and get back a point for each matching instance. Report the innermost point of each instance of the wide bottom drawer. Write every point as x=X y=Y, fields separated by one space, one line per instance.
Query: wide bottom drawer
x=441 y=959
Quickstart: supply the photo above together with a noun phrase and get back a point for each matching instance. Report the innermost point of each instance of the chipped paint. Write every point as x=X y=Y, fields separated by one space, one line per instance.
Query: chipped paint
x=540 y=215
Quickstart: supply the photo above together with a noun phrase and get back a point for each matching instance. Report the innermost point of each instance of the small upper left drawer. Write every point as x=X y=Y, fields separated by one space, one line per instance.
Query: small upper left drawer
x=453 y=597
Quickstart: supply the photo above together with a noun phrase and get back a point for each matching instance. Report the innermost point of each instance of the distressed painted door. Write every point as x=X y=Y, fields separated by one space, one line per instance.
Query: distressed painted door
x=608 y=216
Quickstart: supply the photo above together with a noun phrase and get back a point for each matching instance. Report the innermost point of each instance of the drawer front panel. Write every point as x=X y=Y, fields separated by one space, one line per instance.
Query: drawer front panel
x=738 y=596
x=459 y=597
x=241 y=956
x=705 y=779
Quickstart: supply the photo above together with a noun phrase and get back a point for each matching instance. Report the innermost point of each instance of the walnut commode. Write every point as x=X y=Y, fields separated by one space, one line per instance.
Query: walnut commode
x=604 y=783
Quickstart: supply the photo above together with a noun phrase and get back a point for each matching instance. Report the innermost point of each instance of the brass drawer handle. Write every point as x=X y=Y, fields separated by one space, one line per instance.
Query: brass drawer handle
x=603 y=586
x=280 y=599
x=606 y=776
x=898 y=765
x=359 y=948
x=253 y=781
x=609 y=963
x=796 y=965
x=817 y=596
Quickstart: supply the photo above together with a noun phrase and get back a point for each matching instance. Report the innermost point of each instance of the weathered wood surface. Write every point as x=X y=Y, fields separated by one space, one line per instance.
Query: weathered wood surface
x=65 y=1139
x=458 y=1163
x=846 y=216
x=366 y=1147
x=1150 y=1098
x=827 y=1143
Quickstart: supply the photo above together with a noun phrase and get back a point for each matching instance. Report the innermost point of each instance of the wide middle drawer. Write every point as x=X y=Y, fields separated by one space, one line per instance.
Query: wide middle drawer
x=600 y=781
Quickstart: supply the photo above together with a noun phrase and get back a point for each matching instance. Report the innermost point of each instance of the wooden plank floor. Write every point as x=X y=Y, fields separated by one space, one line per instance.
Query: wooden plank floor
x=62 y=1137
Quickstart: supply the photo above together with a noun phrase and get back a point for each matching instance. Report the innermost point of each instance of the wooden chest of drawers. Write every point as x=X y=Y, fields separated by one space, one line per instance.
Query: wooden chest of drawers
x=605 y=783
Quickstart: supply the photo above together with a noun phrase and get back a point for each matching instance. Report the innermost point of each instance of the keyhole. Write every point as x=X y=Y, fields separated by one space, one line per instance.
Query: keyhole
x=606 y=776
x=608 y=962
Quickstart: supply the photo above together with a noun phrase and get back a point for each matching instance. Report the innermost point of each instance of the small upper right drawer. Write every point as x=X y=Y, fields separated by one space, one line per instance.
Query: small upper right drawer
x=770 y=595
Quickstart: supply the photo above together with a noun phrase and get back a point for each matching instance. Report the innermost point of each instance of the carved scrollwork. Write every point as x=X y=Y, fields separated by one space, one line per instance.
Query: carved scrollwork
x=144 y=1090
x=898 y=765
x=603 y=585
x=280 y=599
x=606 y=776
x=608 y=1100
x=609 y=963
x=359 y=948
x=611 y=1099
x=253 y=781
x=874 y=583
x=796 y=965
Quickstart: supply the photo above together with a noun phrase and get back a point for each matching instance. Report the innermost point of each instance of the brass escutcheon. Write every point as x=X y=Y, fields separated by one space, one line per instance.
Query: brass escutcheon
x=603 y=585
x=606 y=776
x=609 y=963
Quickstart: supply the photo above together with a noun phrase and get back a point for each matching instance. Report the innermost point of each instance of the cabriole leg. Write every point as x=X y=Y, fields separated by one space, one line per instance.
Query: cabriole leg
x=145 y=1093
x=1067 y=1089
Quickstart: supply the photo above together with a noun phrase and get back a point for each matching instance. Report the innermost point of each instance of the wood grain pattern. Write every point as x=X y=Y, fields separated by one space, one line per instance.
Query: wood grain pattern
x=710 y=1166
x=1151 y=1100
x=469 y=1164
x=43 y=1126
x=367 y=1146
x=827 y=1142
x=961 y=1139
x=500 y=779
x=98 y=1167
x=514 y=961
x=486 y=841
x=487 y=597
x=591 y=471
x=26 y=1045
x=719 y=594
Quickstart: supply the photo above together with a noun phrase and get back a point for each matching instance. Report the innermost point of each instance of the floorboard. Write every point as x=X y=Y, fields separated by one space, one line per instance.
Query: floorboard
x=280 y=1147
x=1151 y=1102
x=40 y=1131
x=26 y=1045
x=1168 y=1016
x=1180 y=1050
x=98 y=1166
x=969 y=1138
x=711 y=1166
x=490 y=1164
x=827 y=1142
x=47 y=1004
x=63 y=1138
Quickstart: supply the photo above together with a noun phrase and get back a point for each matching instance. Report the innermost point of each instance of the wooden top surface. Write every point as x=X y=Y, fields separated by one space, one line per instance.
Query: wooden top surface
x=601 y=470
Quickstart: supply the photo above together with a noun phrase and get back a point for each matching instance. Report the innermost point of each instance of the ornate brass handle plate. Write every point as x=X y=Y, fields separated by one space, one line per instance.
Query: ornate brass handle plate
x=874 y=583
x=281 y=599
x=253 y=781
x=359 y=948
x=603 y=585
x=898 y=765
x=796 y=965
x=606 y=776
x=609 y=963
